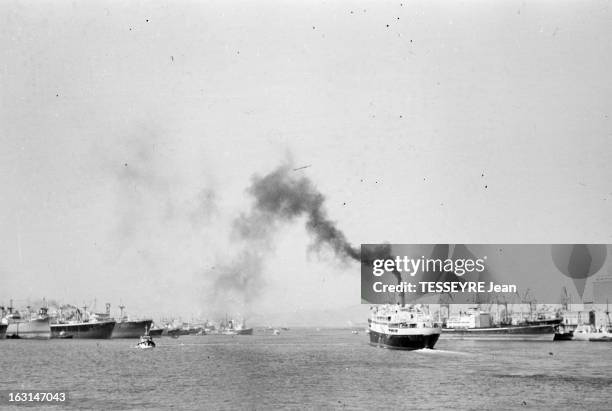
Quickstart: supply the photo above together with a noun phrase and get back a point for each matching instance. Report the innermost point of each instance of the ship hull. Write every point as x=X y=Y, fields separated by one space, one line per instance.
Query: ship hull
x=3 y=328
x=403 y=342
x=173 y=332
x=543 y=332
x=567 y=336
x=38 y=329
x=244 y=331
x=131 y=329
x=93 y=330
x=156 y=332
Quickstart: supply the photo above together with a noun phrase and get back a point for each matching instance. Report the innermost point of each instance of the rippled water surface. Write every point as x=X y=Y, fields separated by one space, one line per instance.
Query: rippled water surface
x=306 y=368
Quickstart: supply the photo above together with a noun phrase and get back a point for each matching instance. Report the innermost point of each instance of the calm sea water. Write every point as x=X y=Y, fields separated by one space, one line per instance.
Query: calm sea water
x=306 y=368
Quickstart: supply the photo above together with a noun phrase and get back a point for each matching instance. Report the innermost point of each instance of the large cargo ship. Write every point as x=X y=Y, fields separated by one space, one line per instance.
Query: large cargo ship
x=126 y=328
x=83 y=326
x=89 y=329
x=402 y=327
x=33 y=327
x=478 y=325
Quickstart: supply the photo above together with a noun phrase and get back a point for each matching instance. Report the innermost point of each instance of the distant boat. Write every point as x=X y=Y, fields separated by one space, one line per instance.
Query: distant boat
x=603 y=333
x=276 y=331
x=564 y=332
x=233 y=327
x=146 y=342
x=587 y=332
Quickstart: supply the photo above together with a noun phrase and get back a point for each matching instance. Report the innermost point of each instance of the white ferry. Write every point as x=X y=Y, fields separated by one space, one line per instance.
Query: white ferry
x=402 y=327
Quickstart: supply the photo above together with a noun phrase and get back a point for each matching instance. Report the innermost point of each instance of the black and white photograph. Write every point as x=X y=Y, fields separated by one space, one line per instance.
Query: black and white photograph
x=305 y=204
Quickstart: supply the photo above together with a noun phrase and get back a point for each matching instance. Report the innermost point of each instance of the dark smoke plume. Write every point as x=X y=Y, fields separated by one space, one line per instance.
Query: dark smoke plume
x=281 y=197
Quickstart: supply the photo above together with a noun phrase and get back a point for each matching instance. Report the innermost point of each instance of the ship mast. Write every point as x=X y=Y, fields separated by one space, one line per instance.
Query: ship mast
x=608 y=315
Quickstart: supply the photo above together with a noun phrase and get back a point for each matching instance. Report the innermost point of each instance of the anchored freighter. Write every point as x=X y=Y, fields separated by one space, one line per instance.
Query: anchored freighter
x=82 y=324
x=478 y=325
x=34 y=327
x=91 y=329
x=126 y=328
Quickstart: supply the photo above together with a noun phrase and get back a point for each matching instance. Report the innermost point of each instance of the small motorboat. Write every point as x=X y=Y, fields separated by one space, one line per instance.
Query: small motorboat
x=276 y=331
x=146 y=342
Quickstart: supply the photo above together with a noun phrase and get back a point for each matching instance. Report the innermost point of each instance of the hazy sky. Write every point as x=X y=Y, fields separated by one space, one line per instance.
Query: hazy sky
x=129 y=134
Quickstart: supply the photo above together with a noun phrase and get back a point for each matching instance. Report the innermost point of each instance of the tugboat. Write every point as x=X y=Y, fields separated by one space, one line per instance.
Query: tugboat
x=146 y=341
x=402 y=327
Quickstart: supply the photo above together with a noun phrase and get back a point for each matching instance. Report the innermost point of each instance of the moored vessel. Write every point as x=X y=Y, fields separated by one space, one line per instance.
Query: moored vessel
x=156 y=331
x=402 y=327
x=79 y=325
x=130 y=328
x=34 y=327
x=479 y=325
x=588 y=332
x=235 y=327
x=173 y=332
x=563 y=333
x=126 y=328
x=89 y=329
